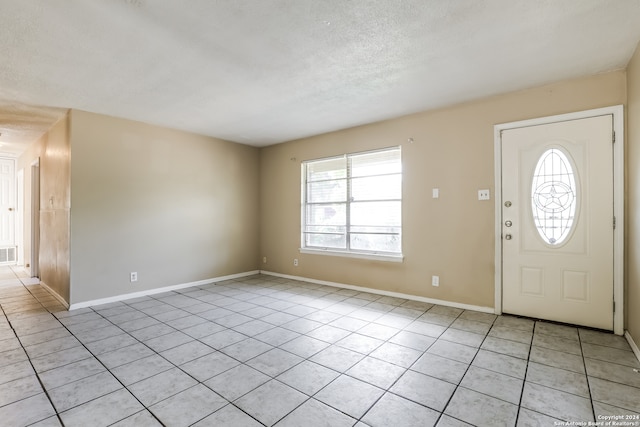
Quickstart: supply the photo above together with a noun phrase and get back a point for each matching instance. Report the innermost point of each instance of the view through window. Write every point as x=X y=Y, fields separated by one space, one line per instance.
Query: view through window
x=353 y=203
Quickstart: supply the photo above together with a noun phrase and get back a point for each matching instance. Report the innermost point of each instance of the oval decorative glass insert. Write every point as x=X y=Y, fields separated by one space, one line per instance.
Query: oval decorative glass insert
x=554 y=196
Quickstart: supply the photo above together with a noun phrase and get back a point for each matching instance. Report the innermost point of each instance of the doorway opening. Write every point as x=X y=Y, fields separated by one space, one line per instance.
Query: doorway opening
x=8 y=250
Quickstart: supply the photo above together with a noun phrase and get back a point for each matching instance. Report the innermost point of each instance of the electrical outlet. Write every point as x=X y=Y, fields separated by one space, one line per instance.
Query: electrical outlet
x=264 y=260
x=134 y=276
x=484 y=194
x=435 y=280
x=295 y=262
x=435 y=193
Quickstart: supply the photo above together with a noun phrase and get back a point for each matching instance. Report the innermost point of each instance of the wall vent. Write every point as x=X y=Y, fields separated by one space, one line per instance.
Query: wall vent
x=8 y=255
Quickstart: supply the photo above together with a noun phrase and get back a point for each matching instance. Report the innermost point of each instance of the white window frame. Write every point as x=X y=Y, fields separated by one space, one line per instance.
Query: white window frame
x=344 y=252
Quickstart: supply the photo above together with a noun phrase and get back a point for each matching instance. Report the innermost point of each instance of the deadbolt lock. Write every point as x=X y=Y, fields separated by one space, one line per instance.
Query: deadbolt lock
x=508 y=223
x=507 y=236
x=507 y=204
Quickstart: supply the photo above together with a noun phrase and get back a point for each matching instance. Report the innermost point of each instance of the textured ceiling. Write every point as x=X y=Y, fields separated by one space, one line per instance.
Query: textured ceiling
x=265 y=71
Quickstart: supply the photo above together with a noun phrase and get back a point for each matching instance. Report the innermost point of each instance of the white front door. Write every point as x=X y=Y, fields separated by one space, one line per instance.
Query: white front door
x=557 y=221
x=7 y=203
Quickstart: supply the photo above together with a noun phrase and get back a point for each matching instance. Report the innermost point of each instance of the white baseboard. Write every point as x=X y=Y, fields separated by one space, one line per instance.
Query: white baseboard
x=148 y=292
x=633 y=345
x=55 y=294
x=385 y=293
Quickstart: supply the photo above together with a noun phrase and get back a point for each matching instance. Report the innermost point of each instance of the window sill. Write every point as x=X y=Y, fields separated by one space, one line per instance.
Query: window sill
x=361 y=255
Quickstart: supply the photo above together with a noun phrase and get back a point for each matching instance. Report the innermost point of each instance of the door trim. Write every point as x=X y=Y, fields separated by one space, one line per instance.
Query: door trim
x=34 y=269
x=20 y=217
x=617 y=112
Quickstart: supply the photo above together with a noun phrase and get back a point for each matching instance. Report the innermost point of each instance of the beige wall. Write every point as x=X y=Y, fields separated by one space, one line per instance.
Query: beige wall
x=453 y=149
x=173 y=206
x=53 y=151
x=633 y=197
x=178 y=207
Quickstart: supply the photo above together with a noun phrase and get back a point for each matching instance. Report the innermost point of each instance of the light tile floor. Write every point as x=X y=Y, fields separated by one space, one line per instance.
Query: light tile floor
x=269 y=351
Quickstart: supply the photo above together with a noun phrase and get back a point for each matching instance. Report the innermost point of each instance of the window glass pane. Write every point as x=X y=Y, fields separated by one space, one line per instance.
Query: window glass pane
x=327 y=191
x=376 y=213
x=322 y=170
x=334 y=241
x=375 y=242
x=375 y=230
x=554 y=196
x=326 y=229
x=383 y=187
x=376 y=163
x=354 y=202
x=329 y=214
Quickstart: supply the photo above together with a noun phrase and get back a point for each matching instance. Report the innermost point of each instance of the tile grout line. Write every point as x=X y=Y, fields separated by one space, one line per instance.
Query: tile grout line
x=582 y=356
x=107 y=370
x=339 y=373
x=307 y=359
x=344 y=315
x=526 y=371
x=409 y=368
x=385 y=391
x=194 y=339
x=154 y=351
x=168 y=361
x=308 y=295
x=36 y=373
x=586 y=374
x=458 y=385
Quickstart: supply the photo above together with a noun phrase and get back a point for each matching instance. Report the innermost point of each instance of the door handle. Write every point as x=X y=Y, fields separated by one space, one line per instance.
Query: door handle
x=508 y=223
x=10 y=209
x=507 y=236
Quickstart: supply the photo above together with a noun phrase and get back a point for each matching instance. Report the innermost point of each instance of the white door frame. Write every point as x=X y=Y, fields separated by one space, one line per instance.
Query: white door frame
x=35 y=218
x=618 y=201
x=20 y=217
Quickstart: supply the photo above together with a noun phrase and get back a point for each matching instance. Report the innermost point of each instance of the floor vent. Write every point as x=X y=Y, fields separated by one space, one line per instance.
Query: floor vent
x=8 y=255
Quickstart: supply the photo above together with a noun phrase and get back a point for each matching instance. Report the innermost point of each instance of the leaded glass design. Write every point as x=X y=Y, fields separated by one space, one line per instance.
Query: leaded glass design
x=554 y=196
